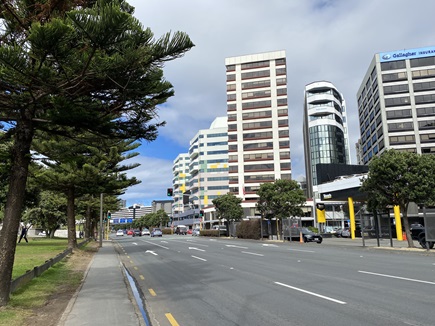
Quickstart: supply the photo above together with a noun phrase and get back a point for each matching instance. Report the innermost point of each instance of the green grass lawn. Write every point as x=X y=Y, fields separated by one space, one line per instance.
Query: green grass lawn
x=29 y=297
x=35 y=253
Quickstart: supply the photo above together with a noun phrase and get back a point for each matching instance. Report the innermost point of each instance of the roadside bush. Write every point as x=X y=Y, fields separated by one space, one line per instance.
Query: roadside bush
x=249 y=229
x=209 y=233
x=166 y=231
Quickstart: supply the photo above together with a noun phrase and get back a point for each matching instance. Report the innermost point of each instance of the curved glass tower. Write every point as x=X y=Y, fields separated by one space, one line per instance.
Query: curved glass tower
x=325 y=130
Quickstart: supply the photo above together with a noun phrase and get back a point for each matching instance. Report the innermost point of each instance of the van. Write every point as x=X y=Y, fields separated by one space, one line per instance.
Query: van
x=222 y=229
x=181 y=229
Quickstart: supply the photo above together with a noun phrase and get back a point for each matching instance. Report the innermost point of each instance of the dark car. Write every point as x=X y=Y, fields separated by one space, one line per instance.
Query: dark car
x=137 y=233
x=181 y=229
x=418 y=233
x=307 y=235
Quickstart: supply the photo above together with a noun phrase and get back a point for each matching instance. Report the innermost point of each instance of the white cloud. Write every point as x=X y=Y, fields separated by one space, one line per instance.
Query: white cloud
x=324 y=40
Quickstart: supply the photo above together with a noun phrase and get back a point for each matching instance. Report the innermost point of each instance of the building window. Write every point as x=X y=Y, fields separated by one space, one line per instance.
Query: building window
x=231 y=87
x=425 y=73
x=394 y=77
x=280 y=71
x=231 y=107
x=394 y=89
x=421 y=99
x=231 y=68
x=258 y=135
x=281 y=81
x=256 y=74
x=393 y=65
x=422 y=112
x=256 y=84
x=282 y=101
x=427 y=124
x=256 y=105
x=231 y=97
x=257 y=115
x=427 y=138
x=397 y=114
x=254 y=65
x=397 y=101
x=255 y=146
x=403 y=139
x=250 y=95
x=420 y=62
x=258 y=157
x=401 y=126
x=280 y=62
x=231 y=78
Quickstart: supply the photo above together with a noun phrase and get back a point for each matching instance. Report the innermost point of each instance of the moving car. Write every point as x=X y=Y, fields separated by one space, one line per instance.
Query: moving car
x=196 y=232
x=137 y=233
x=156 y=232
x=145 y=232
x=181 y=229
x=119 y=233
x=130 y=232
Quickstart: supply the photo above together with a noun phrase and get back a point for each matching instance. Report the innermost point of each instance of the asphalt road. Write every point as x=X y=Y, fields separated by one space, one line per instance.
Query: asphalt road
x=201 y=281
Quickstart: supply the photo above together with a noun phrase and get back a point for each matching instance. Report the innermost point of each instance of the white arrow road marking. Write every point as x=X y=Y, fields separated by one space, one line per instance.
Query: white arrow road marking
x=135 y=243
x=233 y=246
x=311 y=293
x=251 y=253
x=164 y=241
x=269 y=245
x=152 y=252
x=193 y=248
x=300 y=250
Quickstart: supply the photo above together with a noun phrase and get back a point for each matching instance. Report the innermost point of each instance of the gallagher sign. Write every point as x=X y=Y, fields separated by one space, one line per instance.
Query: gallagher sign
x=407 y=54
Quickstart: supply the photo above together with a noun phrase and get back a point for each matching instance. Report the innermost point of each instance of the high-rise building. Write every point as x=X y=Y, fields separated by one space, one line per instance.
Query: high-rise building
x=258 y=122
x=396 y=103
x=208 y=163
x=181 y=177
x=326 y=138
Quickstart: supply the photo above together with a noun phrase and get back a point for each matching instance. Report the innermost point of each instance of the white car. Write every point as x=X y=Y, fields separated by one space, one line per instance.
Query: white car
x=145 y=232
x=119 y=232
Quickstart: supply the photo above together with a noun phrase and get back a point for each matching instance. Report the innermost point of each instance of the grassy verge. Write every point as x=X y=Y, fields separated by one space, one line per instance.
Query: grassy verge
x=60 y=278
x=35 y=253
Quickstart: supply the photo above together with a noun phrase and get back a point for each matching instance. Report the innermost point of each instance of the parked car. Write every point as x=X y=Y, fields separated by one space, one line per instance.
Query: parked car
x=130 y=232
x=345 y=233
x=189 y=231
x=119 y=233
x=222 y=229
x=196 y=232
x=418 y=232
x=137 y=233
x=156 y=232
x=145 y=232
x=181 y=229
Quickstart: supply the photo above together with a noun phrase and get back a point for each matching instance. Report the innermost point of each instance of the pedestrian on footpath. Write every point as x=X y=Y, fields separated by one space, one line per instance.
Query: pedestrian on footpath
x=23 y=234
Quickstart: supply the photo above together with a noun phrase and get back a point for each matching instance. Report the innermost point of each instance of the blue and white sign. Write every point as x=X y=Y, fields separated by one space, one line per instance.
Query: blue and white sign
x=121 y=220
x=407 y=54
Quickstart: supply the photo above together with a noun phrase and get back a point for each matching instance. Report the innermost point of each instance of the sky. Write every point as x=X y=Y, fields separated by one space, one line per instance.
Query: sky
x=333 y=40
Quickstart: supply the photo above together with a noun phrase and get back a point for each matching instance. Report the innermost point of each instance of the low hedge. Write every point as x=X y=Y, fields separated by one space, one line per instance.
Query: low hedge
x=249 y=230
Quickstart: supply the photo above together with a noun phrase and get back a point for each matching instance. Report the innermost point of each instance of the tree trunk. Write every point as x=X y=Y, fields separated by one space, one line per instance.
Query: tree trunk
x=71 y=218
x=407 y=230
x=88 y=222
x=14 y=205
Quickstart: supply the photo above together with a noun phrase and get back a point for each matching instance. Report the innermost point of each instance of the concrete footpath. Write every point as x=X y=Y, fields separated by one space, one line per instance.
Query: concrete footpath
x=104 y=298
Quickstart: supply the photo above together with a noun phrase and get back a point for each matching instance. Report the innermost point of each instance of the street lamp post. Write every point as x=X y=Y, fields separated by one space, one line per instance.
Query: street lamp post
x=101 y=220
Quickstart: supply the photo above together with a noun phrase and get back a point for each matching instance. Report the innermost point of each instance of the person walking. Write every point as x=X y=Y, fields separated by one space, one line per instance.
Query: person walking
x=23 y=234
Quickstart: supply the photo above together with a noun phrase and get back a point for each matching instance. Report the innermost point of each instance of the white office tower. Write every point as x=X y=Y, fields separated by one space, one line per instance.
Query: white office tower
x=326 y=138
x=181 y=177
x=208 y=167
x=258 y=123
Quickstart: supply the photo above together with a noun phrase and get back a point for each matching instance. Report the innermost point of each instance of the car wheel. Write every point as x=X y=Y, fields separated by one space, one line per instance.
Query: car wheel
x=320 y=241
x=305 y=240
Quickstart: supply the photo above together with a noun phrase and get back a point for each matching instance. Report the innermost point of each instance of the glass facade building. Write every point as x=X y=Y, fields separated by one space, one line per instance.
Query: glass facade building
x=326 y=137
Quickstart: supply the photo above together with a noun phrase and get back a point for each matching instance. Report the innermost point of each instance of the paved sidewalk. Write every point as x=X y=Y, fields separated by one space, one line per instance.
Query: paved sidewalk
x=104 y=298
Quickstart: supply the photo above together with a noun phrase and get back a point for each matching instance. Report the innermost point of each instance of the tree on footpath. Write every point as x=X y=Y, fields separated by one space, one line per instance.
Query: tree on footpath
x=398 y=179
x=228 y=207
x=89 y=65
x=280 y=199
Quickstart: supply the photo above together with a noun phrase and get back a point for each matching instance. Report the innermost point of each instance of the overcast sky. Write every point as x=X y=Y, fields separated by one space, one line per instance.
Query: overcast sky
x=323 y=39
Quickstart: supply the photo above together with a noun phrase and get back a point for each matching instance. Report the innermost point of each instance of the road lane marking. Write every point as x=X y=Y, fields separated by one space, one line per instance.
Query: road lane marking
x=135 y=268
x=131 y=261
x=199 y=258
x=128 y=257
x=172 y=319
x=152 y=292
x=164 y=241
x=155 y=244
x=398 y=277
x=301 y=250
x=269 y=245
x=193 y=248
x=135 y=243
x=311 y=293
x=142 y=277
x=152 y=252
x=251 y=253
x=234 y=246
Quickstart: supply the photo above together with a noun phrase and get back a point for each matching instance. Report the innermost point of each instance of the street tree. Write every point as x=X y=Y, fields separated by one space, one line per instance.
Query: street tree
x=397 y=179
x=85 y=64
x=49 y=214
x=280 y=199
x=228 y=207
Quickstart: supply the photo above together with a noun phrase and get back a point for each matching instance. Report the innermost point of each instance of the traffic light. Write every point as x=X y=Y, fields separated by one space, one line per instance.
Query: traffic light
x=201 y=213
x=109 y=215
x=170 y=192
